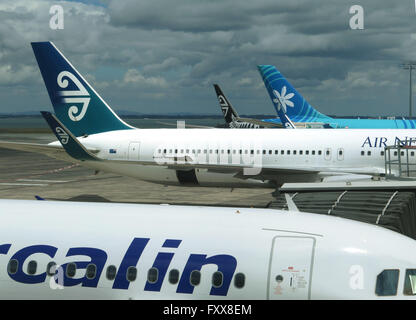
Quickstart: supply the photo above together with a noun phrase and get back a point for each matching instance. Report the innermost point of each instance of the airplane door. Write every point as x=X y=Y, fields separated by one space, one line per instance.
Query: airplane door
x=290 y=269
x=134 y=149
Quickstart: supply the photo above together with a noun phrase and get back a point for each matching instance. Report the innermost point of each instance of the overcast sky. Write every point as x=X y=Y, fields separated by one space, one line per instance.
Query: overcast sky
x=162 y=56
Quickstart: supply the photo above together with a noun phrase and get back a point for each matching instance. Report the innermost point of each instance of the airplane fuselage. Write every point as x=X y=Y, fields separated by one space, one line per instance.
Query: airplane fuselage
x=353 y=123
x=332 y=152
x=61 y=250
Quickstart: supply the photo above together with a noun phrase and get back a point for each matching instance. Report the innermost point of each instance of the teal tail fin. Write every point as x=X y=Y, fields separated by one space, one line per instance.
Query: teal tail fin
x=286 y=99
x=77 y=105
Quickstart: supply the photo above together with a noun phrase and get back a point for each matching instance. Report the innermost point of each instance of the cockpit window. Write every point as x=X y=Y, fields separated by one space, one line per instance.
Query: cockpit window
x=387 y=283
x=410 y=282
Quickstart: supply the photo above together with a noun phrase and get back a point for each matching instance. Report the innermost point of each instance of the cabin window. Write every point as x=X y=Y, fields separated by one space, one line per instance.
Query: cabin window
x=320 y=152
x=245 y=151
x=381 y=153
x=205 y=150
x=216 y=151
x=210 y=151
x=159 y=151
x=222 y=151
x=288 y=152
x=193 y=150
x=174 y=276
x=170 y=150
x=152 y=275
x=402 y=153
x=313 y=152
x=251 y=151
x=164 y=150
x=187 y=151
x=270 y=151
x=71 y=269
x=217 y=279
x=362 y=153
x=199 y=151
x=412 y=153
x=241 y=151
x=395 y=153
x=258 y=151
x=195 y=277
x=387 y=281
x=276 y=152
x=307 y=152
x=368 y=153
x=228 y=151
x=176 y=150
x=327 y=152
x=300 y=152
x=51 y=268
x=131 y=273
x=91 y=271
x=264 y=151
x=239 y=280
x=410 y=282
x=111 y=272
x=340 y=152
x=13 y=265
x=294 y=151
x=282 y=152
x=31 y=267
x=234 y=151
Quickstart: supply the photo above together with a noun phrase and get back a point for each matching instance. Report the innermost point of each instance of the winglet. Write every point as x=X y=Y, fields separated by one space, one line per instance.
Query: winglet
x=70 y=143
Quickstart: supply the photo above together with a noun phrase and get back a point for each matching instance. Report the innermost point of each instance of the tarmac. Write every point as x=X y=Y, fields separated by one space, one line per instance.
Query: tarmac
x=24 y=175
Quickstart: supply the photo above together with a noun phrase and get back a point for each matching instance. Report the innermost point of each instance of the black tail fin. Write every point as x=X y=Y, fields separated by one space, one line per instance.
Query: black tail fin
x=228 y=111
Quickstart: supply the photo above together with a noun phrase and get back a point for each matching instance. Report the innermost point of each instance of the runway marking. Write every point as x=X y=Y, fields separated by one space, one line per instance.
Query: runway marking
x=46 y=181
x=23 y=184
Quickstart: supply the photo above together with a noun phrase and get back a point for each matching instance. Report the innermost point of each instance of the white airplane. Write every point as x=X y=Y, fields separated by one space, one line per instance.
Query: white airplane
x=206 y=157
x=74 y=250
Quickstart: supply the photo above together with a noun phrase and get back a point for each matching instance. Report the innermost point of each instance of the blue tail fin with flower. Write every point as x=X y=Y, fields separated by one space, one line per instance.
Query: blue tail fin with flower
x=286 y=99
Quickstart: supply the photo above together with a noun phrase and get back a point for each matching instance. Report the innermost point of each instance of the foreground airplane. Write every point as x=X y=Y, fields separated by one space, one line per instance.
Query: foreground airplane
x=84 y=250
x=286 y=99
x=207 y=157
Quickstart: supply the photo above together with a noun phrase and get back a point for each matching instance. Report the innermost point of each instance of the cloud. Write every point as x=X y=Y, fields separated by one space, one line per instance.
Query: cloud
x=135 y=78
x=165 y=55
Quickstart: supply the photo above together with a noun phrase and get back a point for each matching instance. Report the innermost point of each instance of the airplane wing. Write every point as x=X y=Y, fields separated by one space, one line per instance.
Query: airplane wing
x=56 y=152
x=53 y=151
x=186 y=125
x=261 y=122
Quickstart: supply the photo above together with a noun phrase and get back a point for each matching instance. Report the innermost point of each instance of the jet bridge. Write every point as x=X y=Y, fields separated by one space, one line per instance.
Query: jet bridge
x=398 y=164
x=391 y=205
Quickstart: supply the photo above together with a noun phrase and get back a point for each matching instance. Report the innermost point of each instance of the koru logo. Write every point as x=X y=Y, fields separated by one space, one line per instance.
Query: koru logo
x=73 y=96
x=63 y=136
x=223 y=104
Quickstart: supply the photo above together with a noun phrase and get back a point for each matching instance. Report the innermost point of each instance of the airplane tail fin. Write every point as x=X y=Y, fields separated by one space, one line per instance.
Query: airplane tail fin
x=76 y=103
x=285 y=98
x=227 y=109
